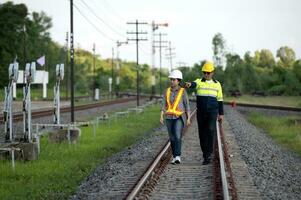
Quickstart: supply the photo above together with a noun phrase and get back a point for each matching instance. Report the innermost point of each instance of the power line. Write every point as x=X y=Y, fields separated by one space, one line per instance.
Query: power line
x=145 y=51
x=114 y=11
x=102 y=33
x=103 y=21
x=109 y=16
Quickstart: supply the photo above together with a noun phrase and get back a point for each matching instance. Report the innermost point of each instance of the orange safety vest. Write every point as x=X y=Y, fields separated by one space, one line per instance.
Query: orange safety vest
x=172 y=109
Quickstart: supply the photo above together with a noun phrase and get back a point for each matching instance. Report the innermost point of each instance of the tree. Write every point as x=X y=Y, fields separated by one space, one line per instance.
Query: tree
x=286 y=55
x=297 y=69
x=12 y=20
x=248 y=58
x=218 y=46
x=293 y=86
x=233 y=72
x=266 y=59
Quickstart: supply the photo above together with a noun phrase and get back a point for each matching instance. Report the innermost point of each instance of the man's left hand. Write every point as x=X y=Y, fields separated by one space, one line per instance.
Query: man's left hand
x=220 y=118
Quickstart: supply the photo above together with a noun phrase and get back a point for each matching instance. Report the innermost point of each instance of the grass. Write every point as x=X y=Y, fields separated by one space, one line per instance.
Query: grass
x=61 y=167
x=282 y=129
x=290 y=101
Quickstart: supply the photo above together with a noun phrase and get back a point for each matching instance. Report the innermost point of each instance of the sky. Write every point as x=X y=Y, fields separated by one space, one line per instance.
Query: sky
x=245 y=25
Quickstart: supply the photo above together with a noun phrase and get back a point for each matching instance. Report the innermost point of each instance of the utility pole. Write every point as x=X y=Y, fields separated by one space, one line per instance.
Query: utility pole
x=66 y=64
x=170 y=55
x=94 y=76
x=155 y=26
x=72 y=60
x=112 y=73
x=137 y=39
x=160 y=45
x=118 y=65
x=24 y=52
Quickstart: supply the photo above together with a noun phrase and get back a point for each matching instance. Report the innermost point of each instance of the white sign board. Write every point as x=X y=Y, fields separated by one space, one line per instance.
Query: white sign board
x=41 y=77
x=110 y=81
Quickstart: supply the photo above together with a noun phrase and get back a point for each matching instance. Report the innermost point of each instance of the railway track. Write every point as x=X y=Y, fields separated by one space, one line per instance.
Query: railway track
x=48 y=112
x=283 y=108
x=223 y=183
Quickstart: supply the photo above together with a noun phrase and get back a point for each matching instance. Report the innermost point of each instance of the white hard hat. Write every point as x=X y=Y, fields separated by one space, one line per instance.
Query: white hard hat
x=176 y=74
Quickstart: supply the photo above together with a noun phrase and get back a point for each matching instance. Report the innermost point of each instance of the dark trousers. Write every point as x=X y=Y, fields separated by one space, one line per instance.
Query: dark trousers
x=207 y=131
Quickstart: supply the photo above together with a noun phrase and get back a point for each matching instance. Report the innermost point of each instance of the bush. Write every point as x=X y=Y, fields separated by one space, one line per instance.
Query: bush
x=277 y=90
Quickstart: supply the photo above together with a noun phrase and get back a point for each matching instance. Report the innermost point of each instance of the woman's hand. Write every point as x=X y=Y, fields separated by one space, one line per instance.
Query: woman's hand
x=161 y=120
x=188 y=121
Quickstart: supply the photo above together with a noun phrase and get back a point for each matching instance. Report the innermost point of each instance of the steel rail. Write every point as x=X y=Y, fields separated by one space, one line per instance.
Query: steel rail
x=222 y=165
x=139 y=185
x=284 y=108
x=47 y=112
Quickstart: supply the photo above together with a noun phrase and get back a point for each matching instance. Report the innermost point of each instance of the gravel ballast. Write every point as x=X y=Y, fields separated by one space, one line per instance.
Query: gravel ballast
x=114 y=178
x=275 y=170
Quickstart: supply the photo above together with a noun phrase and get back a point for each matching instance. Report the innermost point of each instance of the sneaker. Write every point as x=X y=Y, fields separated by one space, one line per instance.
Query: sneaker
x=173 y=161
x=178 y=160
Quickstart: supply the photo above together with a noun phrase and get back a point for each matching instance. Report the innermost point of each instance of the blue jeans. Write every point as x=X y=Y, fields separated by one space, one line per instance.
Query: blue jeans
x=175 y=127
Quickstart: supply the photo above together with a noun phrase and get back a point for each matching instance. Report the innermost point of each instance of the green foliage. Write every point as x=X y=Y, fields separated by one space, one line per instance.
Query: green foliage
x=219 y=44
x=26 y=35
x=297 y=69
x=61 y=167
x=287 y=56
x=12 y=20
x=266 y=58
x=257 y=73
x=34 y=41
x=277 y=90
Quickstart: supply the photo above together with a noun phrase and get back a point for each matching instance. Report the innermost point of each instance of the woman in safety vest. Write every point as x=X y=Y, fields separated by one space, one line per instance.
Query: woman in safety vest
x=176 y=110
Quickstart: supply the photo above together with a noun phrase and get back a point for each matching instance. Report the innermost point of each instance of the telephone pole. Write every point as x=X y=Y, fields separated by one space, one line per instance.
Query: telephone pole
x=170 y=55
x=72 y=60
x=118 y=65
x=137 y=39
x=155 y=26
x=67 y=69
x=160 y=45
x=112 y=73
x=94 y=75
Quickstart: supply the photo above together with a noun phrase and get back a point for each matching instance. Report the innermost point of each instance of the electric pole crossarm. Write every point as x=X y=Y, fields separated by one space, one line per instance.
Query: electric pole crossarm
x=137 y=33
x=140 y=39
x=138 y=23
x=133 y=32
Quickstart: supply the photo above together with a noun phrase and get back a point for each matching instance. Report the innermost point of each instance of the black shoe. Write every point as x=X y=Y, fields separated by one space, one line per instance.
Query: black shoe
x=206 y=161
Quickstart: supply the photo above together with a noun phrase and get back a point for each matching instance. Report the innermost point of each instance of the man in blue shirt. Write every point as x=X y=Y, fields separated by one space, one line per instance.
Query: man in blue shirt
x=209 y=108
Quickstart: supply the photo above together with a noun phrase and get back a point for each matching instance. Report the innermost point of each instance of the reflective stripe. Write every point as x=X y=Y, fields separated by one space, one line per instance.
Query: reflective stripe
x=207 y=95
x=211 y=89
x=173 y=109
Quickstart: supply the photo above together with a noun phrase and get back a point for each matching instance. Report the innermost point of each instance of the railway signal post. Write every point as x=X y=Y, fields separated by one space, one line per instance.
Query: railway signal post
x=59 y=78
x=8 y=101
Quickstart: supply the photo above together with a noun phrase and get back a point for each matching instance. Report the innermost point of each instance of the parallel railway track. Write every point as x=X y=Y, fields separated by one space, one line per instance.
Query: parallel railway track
x=224 y=186
x=48 y=112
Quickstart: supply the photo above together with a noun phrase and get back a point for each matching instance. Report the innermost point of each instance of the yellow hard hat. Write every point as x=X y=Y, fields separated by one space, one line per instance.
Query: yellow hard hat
x=208 y=67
